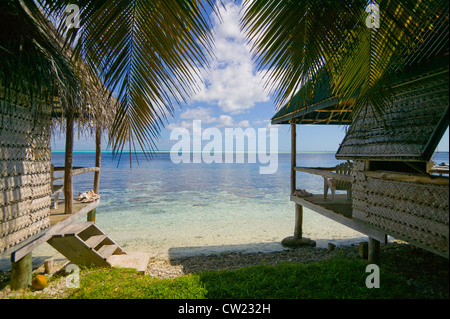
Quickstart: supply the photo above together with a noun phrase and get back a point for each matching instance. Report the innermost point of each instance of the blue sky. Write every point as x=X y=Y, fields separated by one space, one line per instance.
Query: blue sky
x=233 y=95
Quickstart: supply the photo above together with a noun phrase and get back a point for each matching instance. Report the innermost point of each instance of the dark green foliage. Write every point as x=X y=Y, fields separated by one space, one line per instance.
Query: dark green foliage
x=334 y=279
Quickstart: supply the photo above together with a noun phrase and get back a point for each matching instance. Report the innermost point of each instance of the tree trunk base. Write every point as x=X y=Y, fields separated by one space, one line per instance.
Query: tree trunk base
x=21 y=273
x=294 y=242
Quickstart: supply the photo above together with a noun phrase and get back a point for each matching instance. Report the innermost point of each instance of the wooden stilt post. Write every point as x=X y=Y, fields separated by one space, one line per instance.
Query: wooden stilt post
x=293 y=156
x=21 y=271
x=98 y=157
x=298 y=233
x=297 y=240
x=68 y=163
x=298 y=208
x=98 y=161
x=374 y=251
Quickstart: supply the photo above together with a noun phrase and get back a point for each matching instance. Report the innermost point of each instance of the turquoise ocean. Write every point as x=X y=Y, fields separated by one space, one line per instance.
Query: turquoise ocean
x=171 y=210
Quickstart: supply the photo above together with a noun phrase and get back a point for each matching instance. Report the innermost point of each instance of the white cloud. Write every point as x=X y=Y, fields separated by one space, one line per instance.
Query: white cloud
x=261 y=122
x=199 y=113
x=232 y=82
x=225 y=120
x=172 y=126
x=204 y=116
x=185 y=124
x=228 y=121
x=244 y=123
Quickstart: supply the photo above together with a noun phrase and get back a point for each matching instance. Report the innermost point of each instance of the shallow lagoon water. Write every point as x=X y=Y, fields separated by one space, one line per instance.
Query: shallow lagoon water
x=171 y=210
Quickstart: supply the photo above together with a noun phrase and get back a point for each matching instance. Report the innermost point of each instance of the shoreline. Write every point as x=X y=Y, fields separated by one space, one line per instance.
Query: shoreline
x=231 y=260
x=420 y=268
x=168 y=267
x=172 y=249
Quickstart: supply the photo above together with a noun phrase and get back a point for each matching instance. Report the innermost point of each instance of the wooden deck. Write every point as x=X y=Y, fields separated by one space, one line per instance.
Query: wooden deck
x=58 y=220
x=340 y=211
x=79 y=209
x=341 y=205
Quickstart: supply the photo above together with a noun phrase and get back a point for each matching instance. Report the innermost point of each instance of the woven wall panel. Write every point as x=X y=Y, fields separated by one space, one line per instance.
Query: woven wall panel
x=15 y=207
x=407 y=125
x=15 y=124
x=24 y=221
x=413 y=210
x=11 y=168
x=18 y=236
x=414 y=234
x=24 y=153
x=25 y=181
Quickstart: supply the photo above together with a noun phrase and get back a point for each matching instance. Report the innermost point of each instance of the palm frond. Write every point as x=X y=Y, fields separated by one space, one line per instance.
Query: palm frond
x=146 y=52
x=407 y=34
x=294 y=39
x=33 y=61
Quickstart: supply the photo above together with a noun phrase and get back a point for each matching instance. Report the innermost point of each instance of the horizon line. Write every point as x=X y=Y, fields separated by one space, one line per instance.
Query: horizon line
x=196 y=152
x=191 y=152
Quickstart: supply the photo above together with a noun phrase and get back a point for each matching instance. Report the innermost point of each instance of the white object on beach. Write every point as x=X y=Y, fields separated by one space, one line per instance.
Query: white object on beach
x=87 y=197
x=302 y=193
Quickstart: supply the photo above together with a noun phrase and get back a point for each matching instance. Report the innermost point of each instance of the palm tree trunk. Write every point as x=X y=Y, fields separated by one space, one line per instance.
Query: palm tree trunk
x=98 y=160
x=98 y=157
x=68 y=163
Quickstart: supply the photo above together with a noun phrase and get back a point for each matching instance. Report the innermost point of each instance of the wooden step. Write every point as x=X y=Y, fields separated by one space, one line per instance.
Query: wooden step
x=76 y=250
x=107 y=250
x=57 y=189
x=73 y=229
x=78 y=243
x=94 y=241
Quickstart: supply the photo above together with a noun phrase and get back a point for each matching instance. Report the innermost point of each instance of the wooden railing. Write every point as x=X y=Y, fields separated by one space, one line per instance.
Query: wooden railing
x=326 y=172
x=57 y=189
x=343 y=181
x=75 y=171
x=409 y=177
x=439 y=170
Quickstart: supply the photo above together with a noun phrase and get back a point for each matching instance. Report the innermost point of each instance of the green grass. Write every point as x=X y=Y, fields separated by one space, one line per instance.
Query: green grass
x=330 y=279
x=116 y=283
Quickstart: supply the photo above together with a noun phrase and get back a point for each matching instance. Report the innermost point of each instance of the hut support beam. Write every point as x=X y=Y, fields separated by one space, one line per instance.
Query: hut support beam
x=98 y=157
x=293 y=157
x=68 y=163
x=374 y=250
x=21 y=271
x=98 y=160
x=298 y=232
x=297 y=240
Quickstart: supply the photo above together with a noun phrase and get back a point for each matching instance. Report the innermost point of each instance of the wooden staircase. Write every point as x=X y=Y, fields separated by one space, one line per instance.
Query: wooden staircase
x=85 y=244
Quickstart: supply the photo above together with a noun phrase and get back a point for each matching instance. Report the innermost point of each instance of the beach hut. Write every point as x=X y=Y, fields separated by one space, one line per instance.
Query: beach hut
x=30 y=186
x=28 y=181
x=25 y=164
x=393 y=190
x=31 y=99
x=29 y=212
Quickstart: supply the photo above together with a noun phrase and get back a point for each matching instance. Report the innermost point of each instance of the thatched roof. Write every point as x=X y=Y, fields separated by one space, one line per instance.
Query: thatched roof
x=412 y=125
x=95 y=104
x=98 y=106
x=37 y=69
x=410 y=128
x=322 y=108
